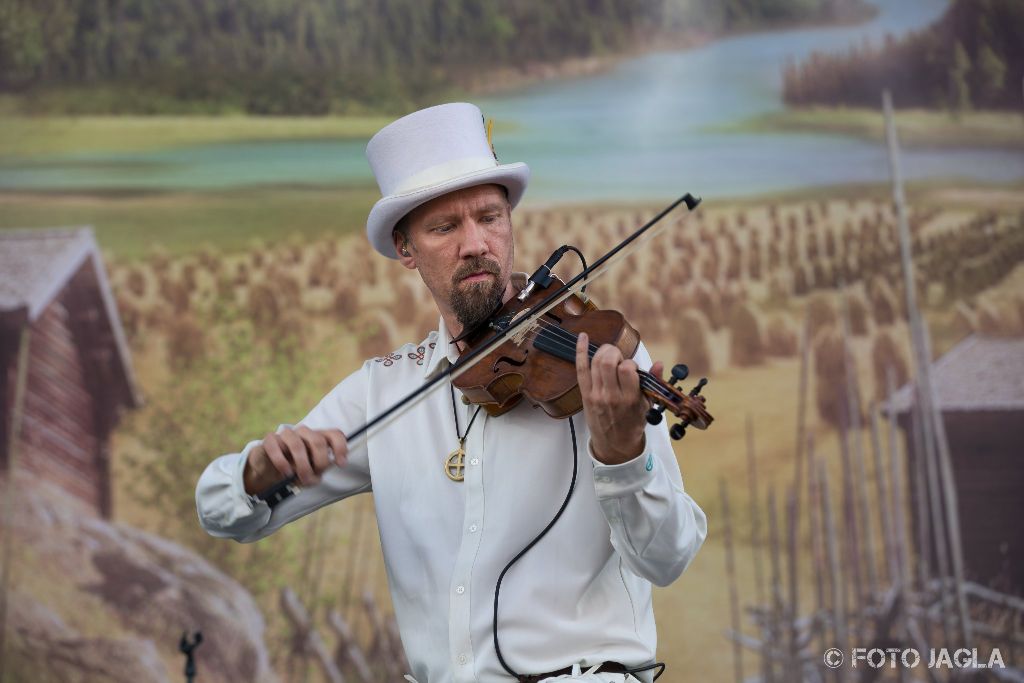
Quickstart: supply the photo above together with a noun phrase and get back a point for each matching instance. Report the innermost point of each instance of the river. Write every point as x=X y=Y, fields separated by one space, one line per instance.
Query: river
x=643 y=130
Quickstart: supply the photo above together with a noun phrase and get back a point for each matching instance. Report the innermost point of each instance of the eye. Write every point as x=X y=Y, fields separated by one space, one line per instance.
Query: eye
x=489 y=218
x=443 y=229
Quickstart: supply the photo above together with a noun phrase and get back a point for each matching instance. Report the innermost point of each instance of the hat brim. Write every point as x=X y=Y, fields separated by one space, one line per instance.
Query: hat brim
x=389 y=210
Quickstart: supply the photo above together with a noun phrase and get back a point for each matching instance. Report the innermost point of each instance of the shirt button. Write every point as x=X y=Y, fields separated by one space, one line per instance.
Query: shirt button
x=463 y=659
x=460 y=589
x=472 y=528
x=474 y=461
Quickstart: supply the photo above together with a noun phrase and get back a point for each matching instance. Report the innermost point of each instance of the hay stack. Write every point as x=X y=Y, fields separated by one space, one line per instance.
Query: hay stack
x=346 y=302
x=746 y=335
x=136 y=282
x=186 y=342
x=831 y=379
x=780 y=336
x=820 y=313
x=857 y=310
x=709 y=303
x=692 y=335
x=888 y=355
x=377 y=333
x=883 y=302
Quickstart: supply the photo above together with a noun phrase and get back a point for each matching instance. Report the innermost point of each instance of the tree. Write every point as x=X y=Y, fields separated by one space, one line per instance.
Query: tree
x=991 y=75
x=960 y=92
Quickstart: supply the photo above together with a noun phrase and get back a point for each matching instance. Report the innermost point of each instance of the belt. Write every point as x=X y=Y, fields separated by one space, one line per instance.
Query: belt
x=607 y=667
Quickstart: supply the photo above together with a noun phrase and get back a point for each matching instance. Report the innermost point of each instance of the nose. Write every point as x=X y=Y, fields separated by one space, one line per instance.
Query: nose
x=474 y=240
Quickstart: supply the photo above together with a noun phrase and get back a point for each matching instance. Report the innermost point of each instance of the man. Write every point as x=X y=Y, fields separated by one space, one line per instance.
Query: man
x=459 y=494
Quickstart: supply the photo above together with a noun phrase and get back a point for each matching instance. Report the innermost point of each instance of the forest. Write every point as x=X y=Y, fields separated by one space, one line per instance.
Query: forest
x=971 y=58
x=315 y=57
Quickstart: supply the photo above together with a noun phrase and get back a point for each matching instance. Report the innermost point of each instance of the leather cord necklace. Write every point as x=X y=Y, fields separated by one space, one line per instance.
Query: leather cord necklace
x=455 y=463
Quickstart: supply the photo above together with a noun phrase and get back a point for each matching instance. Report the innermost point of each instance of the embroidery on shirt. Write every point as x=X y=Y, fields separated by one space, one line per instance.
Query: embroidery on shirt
x=420 y=353
x=650 y=462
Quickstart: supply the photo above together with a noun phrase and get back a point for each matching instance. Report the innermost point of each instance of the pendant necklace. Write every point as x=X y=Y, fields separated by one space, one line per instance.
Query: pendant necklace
x=455 y=463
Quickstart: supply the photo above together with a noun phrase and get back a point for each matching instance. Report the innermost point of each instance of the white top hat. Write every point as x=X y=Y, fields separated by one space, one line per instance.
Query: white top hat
x=427 y=154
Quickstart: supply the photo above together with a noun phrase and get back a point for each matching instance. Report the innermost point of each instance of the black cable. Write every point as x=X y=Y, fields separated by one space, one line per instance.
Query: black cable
x=579 y=253
x=497 y=587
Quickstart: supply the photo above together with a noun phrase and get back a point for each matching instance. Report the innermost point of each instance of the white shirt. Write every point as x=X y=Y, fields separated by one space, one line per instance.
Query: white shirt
x=582 y=594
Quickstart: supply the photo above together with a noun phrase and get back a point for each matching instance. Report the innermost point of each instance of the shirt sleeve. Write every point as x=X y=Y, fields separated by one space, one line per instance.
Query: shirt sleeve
x=656 y=526
x=227 y=511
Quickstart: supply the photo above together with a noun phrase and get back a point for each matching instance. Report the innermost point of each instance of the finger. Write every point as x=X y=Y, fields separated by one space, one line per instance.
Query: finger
x=657 y=369
x=338 y=443
x=583 y=364
x=300 y=458
x=272 y=447
x=316 y=445
x=628 y=378
x=606 y=363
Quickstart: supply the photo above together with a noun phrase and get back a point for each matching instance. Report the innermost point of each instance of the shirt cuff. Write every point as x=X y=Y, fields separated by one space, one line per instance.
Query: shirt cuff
x=238 y=480
x=616 y=481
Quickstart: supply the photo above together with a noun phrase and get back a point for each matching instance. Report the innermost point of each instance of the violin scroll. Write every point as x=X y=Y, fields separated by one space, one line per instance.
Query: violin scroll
x=667 y=396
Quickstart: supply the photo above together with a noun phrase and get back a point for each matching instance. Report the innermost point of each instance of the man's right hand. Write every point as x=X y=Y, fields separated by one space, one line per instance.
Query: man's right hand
x=301 y=451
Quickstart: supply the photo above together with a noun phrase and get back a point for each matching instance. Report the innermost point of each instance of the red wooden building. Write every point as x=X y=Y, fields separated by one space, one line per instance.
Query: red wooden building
x=65 y=371
x=980 y=388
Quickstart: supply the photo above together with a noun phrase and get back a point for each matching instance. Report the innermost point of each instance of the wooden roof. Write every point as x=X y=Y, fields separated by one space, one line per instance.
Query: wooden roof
x=978 y=374
x=38 y=264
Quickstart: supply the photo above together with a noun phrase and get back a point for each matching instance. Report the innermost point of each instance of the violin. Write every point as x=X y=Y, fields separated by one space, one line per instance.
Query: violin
x=538 y=361
x=507 y=354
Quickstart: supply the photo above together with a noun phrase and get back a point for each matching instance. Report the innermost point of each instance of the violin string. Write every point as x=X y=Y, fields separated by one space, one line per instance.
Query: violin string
x=566 y=340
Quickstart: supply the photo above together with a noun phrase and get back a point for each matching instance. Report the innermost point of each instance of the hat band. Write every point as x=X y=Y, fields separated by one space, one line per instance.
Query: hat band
x=442 y=173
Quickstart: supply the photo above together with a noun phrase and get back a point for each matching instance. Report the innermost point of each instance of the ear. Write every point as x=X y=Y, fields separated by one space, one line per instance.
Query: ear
x=404 y=250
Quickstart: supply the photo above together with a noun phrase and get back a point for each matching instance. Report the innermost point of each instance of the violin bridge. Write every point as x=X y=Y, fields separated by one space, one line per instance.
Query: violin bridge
x=519 y=336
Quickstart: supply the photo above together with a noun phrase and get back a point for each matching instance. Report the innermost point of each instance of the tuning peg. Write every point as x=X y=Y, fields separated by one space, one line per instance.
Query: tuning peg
x=679 y=373
x=700 y=385
x=654 y=415
x=677 y=431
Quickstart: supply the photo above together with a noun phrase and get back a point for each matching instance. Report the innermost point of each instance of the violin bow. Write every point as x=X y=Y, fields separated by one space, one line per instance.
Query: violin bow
x=286 y=487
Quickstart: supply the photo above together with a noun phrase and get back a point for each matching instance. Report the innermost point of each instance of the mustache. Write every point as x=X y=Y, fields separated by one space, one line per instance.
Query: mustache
x=476 y=265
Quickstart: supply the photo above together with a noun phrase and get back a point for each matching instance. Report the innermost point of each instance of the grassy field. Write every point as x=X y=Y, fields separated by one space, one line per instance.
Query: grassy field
x=25 y=136
x=129 y=225
x=916 y=127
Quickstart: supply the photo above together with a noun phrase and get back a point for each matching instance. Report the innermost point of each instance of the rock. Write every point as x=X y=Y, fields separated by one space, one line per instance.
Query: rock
x=149 y=589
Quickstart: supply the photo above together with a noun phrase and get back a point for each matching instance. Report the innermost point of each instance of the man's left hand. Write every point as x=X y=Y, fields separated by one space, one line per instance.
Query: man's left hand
x=613 y=404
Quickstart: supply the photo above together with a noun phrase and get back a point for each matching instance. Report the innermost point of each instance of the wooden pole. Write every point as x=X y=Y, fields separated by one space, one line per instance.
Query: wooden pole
x=776 y=610
x=840 y=634
x=897 y=466
x=882 y=496
x=730 y=571
x=801 y=409
x=922 y=348
x=851 y=541
x=817 y=540
x=348 y=654
x=307 y=637
x=793 y=608
x=755 y=514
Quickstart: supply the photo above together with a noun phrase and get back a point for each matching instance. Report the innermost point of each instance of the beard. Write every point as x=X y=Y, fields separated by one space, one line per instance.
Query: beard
x=473 y=302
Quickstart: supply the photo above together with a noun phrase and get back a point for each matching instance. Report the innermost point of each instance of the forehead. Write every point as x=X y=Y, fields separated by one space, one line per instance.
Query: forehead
x=452 y=203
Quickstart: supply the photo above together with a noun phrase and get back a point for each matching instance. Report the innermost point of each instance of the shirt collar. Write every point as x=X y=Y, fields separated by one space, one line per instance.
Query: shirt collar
x=443 y=354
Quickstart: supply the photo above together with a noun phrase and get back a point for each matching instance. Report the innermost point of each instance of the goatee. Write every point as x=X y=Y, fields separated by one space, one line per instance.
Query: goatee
x=473 y=302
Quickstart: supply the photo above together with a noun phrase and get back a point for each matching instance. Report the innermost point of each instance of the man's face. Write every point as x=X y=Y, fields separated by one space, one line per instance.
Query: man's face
x=462 y=245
